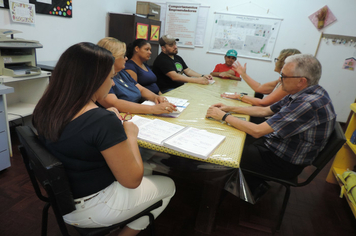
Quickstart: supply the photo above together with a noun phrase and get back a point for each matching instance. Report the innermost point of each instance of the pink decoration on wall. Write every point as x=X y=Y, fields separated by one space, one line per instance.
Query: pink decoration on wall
x=329 y=18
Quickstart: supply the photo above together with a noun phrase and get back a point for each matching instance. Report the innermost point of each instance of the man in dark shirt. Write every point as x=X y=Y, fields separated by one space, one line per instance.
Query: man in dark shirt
x=169 y=67
x=299 y=126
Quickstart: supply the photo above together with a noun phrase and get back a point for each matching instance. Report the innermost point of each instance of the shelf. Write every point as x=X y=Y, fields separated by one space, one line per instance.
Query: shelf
x=353 y=107
x=352 y=146
x=340 y=172
x=18 y=110
x=9 y=79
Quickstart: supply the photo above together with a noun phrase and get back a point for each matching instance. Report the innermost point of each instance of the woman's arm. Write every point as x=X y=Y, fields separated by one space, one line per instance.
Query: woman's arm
x=127 y=168
x=268 y=100
x=132 y=74
x=266 y=88
x=135 y=108
x=146 y=93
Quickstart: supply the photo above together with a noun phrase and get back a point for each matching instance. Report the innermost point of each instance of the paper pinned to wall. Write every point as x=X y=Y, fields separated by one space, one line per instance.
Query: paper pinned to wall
x=201 y=24
x=181 y=22
x=22 y=12
x=251 y=36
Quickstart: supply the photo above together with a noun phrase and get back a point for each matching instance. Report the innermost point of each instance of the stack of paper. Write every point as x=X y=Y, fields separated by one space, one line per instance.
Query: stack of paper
x=192 y=141
x=180 y=104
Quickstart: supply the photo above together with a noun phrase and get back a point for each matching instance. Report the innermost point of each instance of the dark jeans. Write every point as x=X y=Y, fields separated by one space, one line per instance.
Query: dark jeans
x=258 y=158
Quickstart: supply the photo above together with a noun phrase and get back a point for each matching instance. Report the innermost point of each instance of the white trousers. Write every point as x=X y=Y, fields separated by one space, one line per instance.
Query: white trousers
x=117 y=203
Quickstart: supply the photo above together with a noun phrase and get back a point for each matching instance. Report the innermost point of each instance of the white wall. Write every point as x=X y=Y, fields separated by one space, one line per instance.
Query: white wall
x=56 y=34
x=89 y=23
x=296 y=31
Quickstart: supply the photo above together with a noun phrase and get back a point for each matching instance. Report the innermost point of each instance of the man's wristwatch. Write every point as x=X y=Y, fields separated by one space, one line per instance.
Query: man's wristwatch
x=226 y=115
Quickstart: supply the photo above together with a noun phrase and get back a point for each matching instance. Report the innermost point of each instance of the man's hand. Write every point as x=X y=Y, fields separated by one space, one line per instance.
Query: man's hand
x=222 y=107
x=201 y=80
x=215 y=113
x=224 y=74
x=209 y=77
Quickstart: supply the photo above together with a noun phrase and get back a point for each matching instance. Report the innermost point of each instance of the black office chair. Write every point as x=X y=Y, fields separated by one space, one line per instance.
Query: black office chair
x=336 y=140
x=41 y=165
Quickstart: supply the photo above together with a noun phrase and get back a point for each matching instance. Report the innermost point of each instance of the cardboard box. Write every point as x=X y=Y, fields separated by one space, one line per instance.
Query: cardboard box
x=148 y=8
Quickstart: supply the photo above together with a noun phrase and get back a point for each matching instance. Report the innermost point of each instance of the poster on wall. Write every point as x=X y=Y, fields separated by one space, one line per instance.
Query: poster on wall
x=201 y=23
x=251 y=36
x=142 y=31
x=322 y=18
x=181 y=22
x=349 y=64
x=154 y=32
x=61 y=8
x=22 y=12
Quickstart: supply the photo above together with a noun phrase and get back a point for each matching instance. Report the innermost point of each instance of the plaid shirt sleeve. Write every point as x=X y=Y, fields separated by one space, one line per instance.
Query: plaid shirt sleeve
x=291 y=119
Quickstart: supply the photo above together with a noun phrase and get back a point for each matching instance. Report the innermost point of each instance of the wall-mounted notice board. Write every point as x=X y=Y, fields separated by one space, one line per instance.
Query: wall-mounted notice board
x=250 y=36
x=62 y=8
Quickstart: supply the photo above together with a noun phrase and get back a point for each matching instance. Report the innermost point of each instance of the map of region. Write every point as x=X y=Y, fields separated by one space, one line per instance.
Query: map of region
x=249 y=36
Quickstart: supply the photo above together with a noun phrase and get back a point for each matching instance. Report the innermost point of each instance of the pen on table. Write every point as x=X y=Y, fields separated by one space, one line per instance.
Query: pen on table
x=182 y=106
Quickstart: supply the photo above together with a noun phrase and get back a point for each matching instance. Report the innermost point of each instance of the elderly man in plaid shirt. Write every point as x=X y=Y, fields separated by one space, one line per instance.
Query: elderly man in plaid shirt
x=298 y=129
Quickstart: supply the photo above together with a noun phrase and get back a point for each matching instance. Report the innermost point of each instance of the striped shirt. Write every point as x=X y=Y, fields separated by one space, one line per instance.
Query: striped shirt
x=302 y=124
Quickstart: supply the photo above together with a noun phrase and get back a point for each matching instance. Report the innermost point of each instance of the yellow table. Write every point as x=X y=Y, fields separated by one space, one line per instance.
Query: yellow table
x=201 y=97
x=210 y=174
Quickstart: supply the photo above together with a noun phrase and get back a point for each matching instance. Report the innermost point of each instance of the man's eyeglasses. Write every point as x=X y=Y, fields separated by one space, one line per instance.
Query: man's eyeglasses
x=125 y=117
x=285 y=77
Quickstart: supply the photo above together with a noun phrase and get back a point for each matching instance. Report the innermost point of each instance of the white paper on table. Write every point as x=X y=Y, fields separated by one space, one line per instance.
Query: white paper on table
x=156 y=131
x=195 y=142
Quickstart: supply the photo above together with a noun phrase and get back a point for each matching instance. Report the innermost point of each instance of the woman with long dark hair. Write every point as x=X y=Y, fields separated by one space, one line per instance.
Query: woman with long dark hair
x=99 y=151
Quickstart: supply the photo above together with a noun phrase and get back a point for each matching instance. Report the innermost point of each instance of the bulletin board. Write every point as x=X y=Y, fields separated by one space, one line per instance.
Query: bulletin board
x=339 y=82
x=251 y=36
x=62 y=8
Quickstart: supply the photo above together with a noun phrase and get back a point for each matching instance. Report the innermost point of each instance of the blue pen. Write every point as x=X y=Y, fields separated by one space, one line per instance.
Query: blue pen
x=182 y=106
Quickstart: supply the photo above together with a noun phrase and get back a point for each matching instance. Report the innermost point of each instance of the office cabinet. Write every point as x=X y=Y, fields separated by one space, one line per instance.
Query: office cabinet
x=27 y=92
x=4 y=131
x=124 y=28
x=346 y=157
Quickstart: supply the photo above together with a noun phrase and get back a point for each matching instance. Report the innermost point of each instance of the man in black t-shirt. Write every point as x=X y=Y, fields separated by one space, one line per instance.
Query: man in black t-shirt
x=169 y=67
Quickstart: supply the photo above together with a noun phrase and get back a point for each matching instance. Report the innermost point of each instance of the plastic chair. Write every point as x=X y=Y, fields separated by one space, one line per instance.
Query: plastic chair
x=43 y=167
x=336 y=140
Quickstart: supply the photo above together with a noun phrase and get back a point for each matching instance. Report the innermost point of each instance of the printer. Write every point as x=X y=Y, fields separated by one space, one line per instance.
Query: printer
x=17 y=56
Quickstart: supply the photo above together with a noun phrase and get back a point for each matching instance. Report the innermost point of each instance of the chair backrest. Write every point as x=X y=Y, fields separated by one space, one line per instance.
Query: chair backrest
x=335 y=142
x=47 y=169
